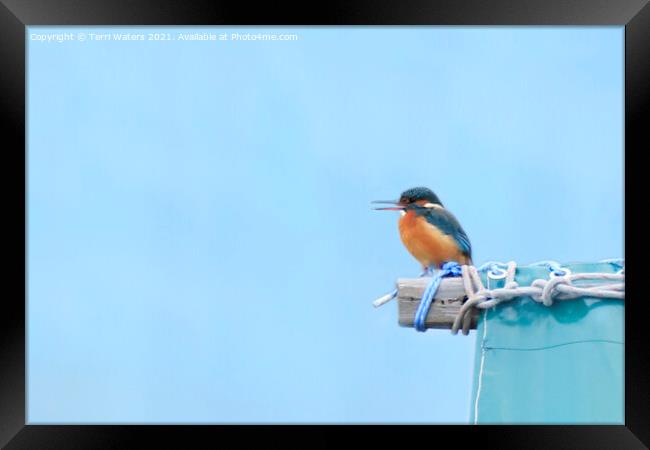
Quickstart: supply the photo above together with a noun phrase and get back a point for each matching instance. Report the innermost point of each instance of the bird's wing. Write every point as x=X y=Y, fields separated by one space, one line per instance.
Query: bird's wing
x=448 y=224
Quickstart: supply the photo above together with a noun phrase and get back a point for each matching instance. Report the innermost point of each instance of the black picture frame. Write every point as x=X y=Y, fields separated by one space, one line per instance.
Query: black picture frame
x=15 y=15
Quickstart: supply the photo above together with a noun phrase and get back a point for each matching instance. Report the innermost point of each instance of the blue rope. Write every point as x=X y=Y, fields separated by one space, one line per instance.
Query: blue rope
x=618 y=263
x=494 y=269
x=449 y=269
x=492 y=266
x=552 y=266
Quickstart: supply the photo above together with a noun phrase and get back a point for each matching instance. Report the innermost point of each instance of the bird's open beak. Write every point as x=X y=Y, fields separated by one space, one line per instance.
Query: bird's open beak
x=398 y=206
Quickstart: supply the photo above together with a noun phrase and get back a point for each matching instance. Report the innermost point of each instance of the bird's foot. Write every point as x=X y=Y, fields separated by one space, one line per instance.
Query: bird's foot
x=428 y=271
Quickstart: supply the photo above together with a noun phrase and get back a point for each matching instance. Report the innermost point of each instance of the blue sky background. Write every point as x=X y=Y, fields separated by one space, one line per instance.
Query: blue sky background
x=201 y=246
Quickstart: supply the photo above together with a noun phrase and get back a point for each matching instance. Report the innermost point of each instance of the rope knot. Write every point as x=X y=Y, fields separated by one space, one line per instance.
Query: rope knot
x=550 y=289
x=452 y=269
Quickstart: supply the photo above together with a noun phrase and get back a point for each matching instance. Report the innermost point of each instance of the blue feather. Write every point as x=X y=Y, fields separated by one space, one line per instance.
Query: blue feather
x=448 y=224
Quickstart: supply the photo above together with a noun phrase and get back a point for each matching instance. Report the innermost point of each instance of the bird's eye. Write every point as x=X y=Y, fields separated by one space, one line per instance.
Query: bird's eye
x=405 y=200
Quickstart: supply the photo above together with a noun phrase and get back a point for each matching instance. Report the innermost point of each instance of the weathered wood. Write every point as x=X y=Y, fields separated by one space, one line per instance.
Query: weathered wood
x=449 y=298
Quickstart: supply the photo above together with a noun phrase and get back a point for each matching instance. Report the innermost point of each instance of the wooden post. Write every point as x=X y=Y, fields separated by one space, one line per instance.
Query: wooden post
x=449 y=298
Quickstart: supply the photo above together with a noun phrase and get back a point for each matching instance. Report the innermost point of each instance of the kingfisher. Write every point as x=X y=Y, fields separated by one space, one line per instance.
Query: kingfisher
x=429 y=232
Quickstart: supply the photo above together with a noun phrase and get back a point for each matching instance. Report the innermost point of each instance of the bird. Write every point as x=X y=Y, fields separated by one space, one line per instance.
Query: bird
x=429 y=232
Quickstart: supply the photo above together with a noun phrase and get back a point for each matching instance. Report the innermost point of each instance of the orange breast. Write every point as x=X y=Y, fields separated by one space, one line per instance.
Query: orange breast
x=426 y=243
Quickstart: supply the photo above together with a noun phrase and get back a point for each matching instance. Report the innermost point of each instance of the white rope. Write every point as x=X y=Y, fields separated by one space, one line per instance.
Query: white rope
x=557 y=287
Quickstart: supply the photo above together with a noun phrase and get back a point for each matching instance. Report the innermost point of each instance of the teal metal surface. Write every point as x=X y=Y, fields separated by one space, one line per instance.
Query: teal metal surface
x=561 y=364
